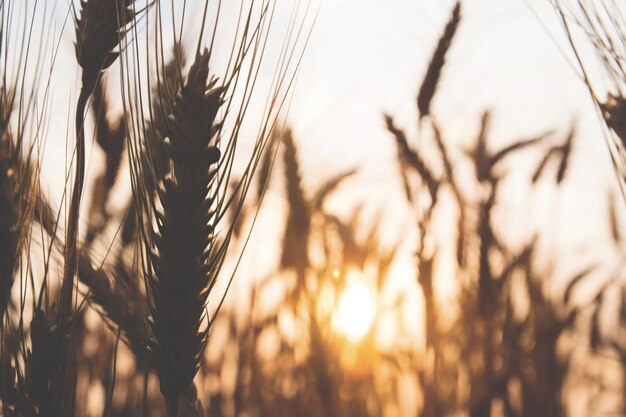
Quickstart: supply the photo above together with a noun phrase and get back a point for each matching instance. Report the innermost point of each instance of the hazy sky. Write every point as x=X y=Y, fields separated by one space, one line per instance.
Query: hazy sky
x=367 y=57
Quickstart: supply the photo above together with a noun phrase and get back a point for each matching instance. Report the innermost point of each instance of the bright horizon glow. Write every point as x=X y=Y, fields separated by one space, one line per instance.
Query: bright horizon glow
x=355 y=311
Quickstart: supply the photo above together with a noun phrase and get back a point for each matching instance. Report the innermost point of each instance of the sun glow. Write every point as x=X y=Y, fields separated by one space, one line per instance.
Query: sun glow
x=355 y=311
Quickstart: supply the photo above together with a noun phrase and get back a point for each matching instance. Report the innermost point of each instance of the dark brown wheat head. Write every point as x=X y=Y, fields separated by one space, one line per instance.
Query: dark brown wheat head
x=99 y=29
x=184 y=257
x=437 y=62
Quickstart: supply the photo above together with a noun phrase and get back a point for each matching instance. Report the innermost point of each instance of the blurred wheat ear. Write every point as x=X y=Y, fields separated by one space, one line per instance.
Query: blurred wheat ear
x=295 y=240
x=437 y=62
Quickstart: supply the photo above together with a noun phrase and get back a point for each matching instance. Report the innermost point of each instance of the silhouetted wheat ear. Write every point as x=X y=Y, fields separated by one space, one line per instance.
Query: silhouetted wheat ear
x=295 y=246
x=101 y=26
x=408 y=158
x=614 y=112
x=183 y=262
x=433 y=73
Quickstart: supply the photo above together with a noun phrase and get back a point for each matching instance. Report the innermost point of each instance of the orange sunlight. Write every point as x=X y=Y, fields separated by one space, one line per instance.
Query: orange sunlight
x=355 y=309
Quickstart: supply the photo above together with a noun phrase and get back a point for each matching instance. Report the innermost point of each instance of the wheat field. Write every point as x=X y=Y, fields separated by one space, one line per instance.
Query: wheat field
x=319 y=209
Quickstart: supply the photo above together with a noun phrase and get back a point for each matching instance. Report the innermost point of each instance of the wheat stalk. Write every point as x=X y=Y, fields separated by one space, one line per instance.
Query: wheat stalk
x=99 y=29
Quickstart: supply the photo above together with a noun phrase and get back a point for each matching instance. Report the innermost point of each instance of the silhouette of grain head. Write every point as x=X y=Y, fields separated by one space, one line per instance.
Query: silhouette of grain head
x=184 y=264
x=411 y=160
x=295 y=239
x=437 y=62
x=99 y=29
x=614 y=112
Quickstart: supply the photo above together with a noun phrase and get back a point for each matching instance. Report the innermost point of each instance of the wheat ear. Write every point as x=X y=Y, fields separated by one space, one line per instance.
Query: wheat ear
x=295 y=244
x=182 y=263
x=437 y=62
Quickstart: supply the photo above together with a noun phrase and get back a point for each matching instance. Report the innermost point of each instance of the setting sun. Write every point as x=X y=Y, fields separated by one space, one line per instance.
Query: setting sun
x=355 y=311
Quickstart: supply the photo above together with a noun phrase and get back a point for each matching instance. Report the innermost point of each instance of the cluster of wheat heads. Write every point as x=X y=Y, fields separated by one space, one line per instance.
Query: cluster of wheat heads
x=596 y=32
x=179 y=126
x=494 y=357
x=307 y=368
